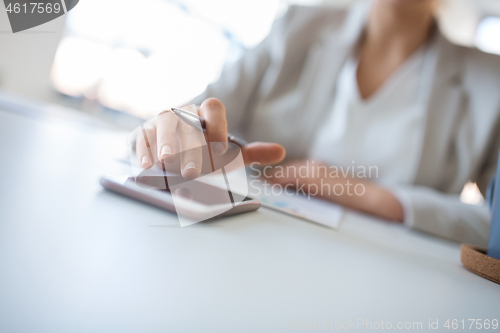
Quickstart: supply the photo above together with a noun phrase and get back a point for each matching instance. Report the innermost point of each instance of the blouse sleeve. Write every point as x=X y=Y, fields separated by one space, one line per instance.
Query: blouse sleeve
x=239 y=82
x=444 y=215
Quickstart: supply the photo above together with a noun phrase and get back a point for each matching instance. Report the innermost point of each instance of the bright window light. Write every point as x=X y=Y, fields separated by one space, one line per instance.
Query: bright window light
x=144 y=56
x=78 y=66
x=471 y=194
x=488 y=35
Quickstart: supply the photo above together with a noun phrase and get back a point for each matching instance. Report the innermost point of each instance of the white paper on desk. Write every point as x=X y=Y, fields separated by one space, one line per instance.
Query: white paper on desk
x=299 y=205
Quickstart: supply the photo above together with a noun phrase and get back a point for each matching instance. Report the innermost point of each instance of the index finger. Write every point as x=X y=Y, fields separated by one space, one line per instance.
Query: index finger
x=214 y=113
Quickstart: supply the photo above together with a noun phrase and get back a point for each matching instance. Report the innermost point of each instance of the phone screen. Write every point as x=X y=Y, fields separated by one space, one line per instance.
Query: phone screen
x=203 y=193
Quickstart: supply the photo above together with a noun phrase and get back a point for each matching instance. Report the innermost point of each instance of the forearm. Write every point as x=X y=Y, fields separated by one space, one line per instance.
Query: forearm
x=368 y=197
x=358 y=194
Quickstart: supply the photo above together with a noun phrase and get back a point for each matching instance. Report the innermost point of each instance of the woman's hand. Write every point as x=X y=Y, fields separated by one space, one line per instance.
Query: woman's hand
x=359 y=194
x=167 y=135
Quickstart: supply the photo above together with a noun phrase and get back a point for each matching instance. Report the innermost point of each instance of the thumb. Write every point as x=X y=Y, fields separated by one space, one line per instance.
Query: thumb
x=263 y=153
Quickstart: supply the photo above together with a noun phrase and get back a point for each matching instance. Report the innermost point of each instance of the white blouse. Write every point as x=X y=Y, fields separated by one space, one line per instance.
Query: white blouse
x=381 y=133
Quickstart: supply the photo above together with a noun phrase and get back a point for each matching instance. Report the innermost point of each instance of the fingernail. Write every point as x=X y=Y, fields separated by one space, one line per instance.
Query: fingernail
x=220 y=148
x=146 y=161
x=166 y=150
x=190 y=165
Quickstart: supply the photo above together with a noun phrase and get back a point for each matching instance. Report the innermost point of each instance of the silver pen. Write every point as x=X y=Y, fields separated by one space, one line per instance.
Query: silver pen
x=198 y=122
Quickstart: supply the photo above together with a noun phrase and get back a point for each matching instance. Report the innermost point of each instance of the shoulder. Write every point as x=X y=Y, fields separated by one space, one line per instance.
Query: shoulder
x=304 y=16
x=479 y=65
x=306 y=22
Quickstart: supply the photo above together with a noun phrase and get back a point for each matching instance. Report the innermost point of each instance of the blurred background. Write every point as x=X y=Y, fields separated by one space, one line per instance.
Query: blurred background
x=124 y=61
x=127 y=59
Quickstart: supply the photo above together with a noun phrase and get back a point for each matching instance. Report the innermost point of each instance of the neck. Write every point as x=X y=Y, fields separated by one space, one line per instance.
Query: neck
x=400 y=27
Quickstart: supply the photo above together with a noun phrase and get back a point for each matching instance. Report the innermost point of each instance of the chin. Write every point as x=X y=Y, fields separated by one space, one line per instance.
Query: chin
x=408 y=4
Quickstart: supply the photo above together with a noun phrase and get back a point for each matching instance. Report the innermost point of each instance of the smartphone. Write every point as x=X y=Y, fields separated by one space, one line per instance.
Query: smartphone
x=205 y=201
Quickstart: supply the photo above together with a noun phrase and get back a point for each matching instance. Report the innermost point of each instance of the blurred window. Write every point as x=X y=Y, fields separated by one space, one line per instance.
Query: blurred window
x=488 y=35
x=144 y=56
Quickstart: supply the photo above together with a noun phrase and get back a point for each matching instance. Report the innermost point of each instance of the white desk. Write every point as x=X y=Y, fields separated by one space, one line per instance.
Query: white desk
x=75 y=258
